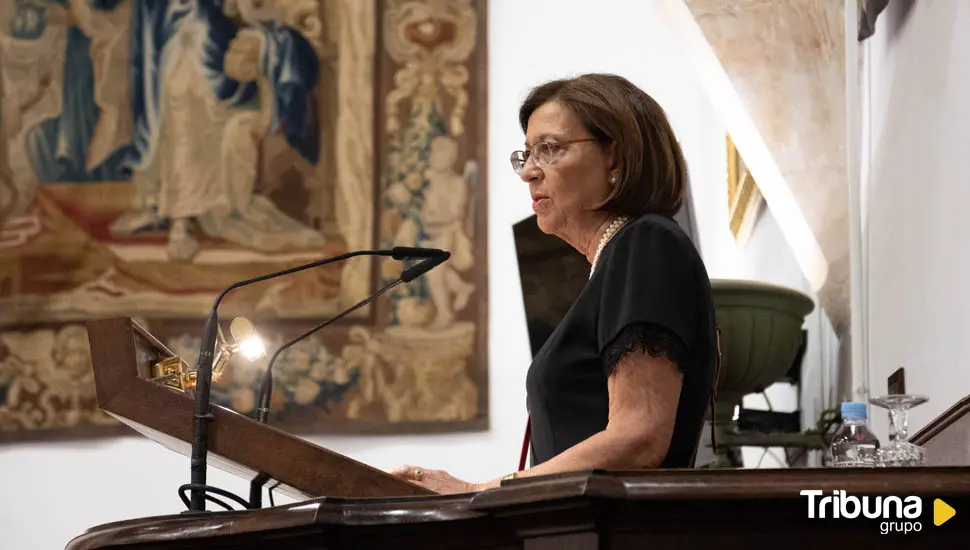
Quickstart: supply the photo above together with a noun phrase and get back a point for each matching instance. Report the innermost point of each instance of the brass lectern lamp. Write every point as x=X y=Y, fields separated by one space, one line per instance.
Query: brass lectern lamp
x=176 y=373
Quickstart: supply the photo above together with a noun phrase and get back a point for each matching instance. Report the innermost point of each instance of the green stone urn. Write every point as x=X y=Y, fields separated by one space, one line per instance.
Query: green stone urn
x=761 y=331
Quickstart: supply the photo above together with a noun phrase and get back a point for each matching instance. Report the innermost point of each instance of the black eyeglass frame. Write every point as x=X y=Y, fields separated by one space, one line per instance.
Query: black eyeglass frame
x=519 y=158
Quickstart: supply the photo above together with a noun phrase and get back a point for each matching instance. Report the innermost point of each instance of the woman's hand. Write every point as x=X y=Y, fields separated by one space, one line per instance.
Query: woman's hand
x=438 y=481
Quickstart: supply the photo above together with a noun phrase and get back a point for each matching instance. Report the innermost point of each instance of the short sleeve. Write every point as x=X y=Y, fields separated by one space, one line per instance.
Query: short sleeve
x=648 y=292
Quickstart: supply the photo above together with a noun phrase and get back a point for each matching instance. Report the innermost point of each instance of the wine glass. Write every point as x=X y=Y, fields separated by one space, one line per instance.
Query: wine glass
x=899 y=451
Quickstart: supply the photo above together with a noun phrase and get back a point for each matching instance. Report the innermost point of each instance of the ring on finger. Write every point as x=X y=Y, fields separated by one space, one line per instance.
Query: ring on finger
x=418 y=474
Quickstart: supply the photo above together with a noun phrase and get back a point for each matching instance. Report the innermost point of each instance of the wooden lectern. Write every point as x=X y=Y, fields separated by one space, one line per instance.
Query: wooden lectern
x=357 y=506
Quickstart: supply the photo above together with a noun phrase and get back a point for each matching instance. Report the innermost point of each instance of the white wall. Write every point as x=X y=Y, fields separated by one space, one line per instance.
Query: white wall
x=91 y=483
x=916 y=233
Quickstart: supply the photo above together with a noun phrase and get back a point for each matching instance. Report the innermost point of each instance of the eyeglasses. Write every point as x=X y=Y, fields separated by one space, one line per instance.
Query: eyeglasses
x=543 y=153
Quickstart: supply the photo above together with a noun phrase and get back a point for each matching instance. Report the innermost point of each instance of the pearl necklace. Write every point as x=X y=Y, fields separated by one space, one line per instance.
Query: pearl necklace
x=611 y=230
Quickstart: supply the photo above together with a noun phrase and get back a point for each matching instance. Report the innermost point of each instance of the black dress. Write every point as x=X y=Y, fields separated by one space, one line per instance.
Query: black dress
x=650 y=291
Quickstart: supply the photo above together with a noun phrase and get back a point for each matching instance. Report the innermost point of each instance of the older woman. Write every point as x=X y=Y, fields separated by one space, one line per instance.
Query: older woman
x=624 y=380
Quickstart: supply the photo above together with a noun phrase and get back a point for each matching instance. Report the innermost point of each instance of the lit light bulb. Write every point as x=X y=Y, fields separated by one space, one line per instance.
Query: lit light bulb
x=247 y=339
x=252 y=348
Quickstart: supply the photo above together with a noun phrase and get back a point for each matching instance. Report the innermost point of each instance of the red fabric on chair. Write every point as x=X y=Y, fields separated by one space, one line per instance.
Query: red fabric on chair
x=525 y=444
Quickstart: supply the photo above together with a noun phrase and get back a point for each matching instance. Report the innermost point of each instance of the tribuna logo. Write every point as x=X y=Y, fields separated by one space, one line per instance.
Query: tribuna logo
x=840 y=505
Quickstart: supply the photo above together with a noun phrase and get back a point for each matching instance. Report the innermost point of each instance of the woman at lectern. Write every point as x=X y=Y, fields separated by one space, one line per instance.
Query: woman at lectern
x=624 y=381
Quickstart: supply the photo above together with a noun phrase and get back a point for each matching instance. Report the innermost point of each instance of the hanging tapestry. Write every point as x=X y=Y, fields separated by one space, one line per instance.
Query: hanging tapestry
x=154 y=152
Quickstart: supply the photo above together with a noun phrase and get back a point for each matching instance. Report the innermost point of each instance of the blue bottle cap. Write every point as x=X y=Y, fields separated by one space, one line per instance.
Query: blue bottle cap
x=854 y=410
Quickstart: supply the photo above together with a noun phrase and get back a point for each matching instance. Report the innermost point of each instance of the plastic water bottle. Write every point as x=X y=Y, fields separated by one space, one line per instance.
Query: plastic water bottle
x=854 y=446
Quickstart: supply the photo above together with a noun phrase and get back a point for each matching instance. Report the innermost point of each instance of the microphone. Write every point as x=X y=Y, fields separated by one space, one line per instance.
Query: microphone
x=420 y=269
x=409 y=252
x=202 y=414
x=435 y=258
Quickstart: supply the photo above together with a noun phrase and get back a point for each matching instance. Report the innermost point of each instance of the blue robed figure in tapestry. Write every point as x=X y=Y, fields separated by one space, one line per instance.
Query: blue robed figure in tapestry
x=175 y=96
x=58 y=146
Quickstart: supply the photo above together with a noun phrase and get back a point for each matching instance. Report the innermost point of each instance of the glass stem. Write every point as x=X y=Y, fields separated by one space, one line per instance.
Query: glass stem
x=897 y=424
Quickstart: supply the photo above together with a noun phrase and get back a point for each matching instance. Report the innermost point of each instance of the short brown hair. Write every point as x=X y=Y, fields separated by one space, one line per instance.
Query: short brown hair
x=652 y=170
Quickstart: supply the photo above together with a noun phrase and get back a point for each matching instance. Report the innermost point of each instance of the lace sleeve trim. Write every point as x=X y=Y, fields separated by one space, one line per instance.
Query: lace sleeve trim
x=649 y=338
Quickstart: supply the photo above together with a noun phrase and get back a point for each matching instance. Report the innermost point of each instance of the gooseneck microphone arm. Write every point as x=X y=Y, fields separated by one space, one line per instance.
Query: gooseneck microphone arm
x=202 y=413
x=266 y=384
x=408 y=275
